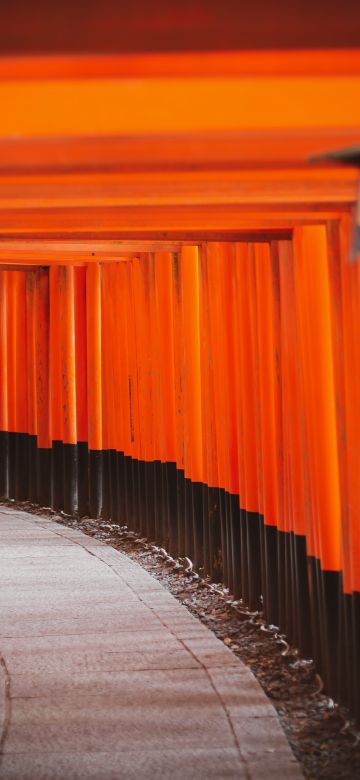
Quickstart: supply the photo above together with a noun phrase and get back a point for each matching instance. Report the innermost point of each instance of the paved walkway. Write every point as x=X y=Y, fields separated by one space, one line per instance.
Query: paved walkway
x=106 y=676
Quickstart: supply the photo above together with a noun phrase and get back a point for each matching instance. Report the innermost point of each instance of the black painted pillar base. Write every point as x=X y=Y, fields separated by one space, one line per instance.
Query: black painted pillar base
x=331 y=591
x=32 y=465
x=244 y=557
x=254 y=560
x=302 y=603
x=137 y=481
x=181 y=544
x=95 y=482
x=83 y=478
x=57 y=476
x=70 y=462
x=150 y=507
x=106 y=490
x=355 y=699
x=161 y=500
x=271 y=592
x=44 y=476
x=12 y=465
x=214 y=533
x=22 y=467
x=128 y=488
x=234 y=517
x=198 y=523
x=120 y=458
x=224 y=542
x=114 y=486
x=188 y=518
x=4 y=464
x=171 y=506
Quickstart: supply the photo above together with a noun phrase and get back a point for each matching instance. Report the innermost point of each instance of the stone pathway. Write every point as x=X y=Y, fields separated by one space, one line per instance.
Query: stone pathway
x=105 y=676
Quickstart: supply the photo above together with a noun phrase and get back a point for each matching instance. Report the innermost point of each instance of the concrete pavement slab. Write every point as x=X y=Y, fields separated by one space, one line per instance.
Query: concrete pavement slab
x=109 y=677
x=140 y=621
x=166 y=657
x=123 y=641
x=208 y=764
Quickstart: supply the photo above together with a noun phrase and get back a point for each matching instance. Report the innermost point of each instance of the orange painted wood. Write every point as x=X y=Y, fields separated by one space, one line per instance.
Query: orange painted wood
x=80 y=353
x=349 y=440
x=68 y=353
x=4 y=403
x=196 y=151
x=249 y=444
x=12 y=313
x=94 y=364
x=122 y=359
x=293 y=514
x=158 y=106
x=132 y=376
x=172 y=222
x=209 y=446
x=31 y=357
x=21 y=356
x=268 y=390
x=313 y=297
x=106 y=410
x=193 y=461
x=56 y=388
x=165 y=327
x=42 y=325
x=147 y=65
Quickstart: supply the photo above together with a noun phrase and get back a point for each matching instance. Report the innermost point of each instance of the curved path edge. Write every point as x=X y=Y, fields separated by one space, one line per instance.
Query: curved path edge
x=112 y=678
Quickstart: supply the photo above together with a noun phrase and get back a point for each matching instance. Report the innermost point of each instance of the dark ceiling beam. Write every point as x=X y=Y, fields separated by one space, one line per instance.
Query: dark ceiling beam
x=91 y=26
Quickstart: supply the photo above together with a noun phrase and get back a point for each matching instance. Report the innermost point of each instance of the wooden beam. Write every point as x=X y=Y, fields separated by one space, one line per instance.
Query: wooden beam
x=270 y=62
x=182 y=25
x=158 y=106
x=193 y=151
x=272 y=187
x=162 y=223
x=32 y=252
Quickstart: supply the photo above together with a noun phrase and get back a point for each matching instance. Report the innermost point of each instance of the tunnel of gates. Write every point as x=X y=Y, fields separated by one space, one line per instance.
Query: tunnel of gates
x=207 y=395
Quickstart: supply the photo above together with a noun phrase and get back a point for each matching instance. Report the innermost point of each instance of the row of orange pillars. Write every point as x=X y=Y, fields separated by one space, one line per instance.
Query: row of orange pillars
x=208 y=397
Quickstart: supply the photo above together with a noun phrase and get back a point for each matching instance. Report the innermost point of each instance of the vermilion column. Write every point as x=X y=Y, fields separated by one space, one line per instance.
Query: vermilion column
x=42 y=385
x=268 y=394
x=321 y=452
x=68 y=375
x=123 y=373
x=31 y=380
x=295 y=512
x=117 y=359
x=314 y=317
x=109 y=347
x=219 y=256
x=212 y=530
x=269 y=390
x=165 y=388
x=81 y=389
x=93 y=329
x=4 y=419
x=193 y=456
x=12 y=313
x=21 y=479
x=249 y=432
x=56 y=395
x=191 y=336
